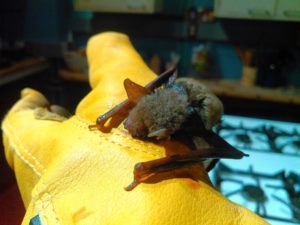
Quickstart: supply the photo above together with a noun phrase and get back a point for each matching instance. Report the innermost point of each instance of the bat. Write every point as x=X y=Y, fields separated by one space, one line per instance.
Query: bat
x=185 y=104
x=184 y=110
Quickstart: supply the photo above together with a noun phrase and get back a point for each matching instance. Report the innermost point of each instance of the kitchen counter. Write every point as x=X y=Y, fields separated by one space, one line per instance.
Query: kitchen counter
x=233 y=88
x=23 y=68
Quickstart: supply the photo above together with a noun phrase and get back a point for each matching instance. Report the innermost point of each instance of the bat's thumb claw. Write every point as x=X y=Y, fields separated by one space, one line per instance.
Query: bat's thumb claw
x=132 y=185
x=93 y=127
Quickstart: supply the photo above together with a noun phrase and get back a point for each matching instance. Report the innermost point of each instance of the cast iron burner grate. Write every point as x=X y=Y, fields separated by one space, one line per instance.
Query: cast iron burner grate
x=261 y=138
x=258 y=191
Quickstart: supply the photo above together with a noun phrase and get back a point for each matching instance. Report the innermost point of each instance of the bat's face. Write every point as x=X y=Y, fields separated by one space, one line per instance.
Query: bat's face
x=158 y=115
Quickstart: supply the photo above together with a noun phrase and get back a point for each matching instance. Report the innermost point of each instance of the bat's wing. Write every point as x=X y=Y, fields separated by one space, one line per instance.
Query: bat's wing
x=210 y=164
x=134 y=91
x=196 y=127
x=113 y=117
x=225 y=150
x=166 y=76
x=208 y=156
x=145 y=170
x=116 y=115
x=223 y=146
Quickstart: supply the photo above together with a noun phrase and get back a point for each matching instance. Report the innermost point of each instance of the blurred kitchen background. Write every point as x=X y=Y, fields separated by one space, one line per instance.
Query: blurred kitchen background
x=246 y=51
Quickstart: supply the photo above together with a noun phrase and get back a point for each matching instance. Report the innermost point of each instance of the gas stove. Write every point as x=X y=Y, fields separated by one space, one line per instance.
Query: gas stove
x=268 y=181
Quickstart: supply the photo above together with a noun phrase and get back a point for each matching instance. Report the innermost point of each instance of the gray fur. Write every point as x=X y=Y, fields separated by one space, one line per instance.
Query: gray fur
x=163 y=109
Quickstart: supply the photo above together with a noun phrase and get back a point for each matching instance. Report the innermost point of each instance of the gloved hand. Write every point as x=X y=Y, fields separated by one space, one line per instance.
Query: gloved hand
x=68 y=174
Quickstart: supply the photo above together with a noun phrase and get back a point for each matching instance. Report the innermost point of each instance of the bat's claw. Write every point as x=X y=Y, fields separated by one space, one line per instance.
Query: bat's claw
x=93 y=127
x=132 y=185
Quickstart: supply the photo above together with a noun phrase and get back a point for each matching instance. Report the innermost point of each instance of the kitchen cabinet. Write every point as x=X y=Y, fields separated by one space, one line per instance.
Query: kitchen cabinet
x=286 y=10
x=254 y=9
x=119 y=6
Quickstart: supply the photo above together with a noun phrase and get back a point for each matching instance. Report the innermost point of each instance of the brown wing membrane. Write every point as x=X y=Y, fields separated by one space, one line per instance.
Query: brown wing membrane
x=117 y=114
x=225 y=148
x=144 y=170
x=162 y=78
x=198 y=129
x=134 y=91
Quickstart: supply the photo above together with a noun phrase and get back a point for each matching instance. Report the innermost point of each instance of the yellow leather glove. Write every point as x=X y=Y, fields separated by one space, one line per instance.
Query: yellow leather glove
x=68 y=174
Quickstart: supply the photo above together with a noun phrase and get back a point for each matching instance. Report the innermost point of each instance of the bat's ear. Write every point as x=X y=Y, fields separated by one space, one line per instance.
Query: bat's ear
x=134 y=91
x=159 y=134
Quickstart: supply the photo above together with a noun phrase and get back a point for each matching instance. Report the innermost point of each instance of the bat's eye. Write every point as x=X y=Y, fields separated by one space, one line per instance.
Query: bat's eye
x=191 y=110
